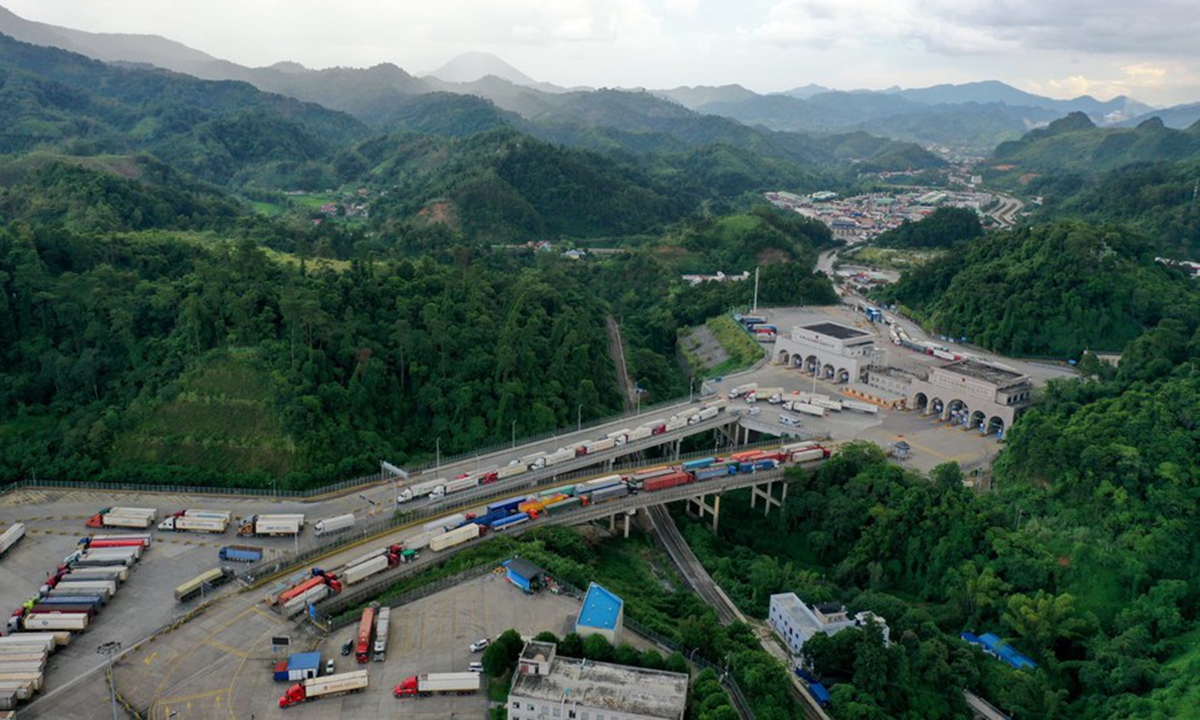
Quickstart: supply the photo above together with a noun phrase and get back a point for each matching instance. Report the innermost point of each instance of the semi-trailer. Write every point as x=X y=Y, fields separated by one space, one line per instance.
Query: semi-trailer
x=419 y=490
x=82 y=586
x=75 y=592
x=41 y=622
x=124 y=517
x=35 y=678
x=271 y=525
x=83 y=560
x=366 y=628
x=704 y=414
x=421 y=540
x=371 y=555
x=86 y=608
x=213 y=514
x=381 y=634
x=338 y=523
x=357 y=573
x=118 y=573
x=319 y=577
x=862 y=407
x=327 y=686
x=608 y=493
x=240 y=553
x=15 y=532
x=299 y=603
x=670 y=480
x=461 y=683
x=466 y=533
x=459 y=484
x=808 y=409
x=743 y=389
x=450 y=522
x=511 y=470
x=560 y=455
x=599 y=483
x=188 y=523
x=712 y=471
x=93 y=601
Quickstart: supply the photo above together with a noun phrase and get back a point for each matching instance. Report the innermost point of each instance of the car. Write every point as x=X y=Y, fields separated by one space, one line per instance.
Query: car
x=348 y=648
x=480 y=644
x=329 y=666
x=476 y=667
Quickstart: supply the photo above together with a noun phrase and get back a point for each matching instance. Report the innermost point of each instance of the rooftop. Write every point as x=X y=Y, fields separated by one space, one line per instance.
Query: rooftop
x=601 y=608
x=524 y=568
x=303 y=661
x=994 y=374
x=636 y=691
x=837 y=330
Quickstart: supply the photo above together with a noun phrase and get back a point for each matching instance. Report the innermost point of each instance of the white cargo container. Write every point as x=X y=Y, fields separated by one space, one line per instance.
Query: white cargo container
x=74 y=622
x=369 y=556
x=214 y=514
x=809 y=409
x=338 y=523
x=827 y=403
x=595 y=446
x=115 y=572
x=558 y=456
x=743 y=389
x=145 y=538
x=676 y=422
x=620 y=437
x=467 y=532
x=362 y=571
x=83 y=585
x=129 y=521
x=445 y=523
x=718 y=403
x=35 y=679
x=639 y=433
x=45 y=641
x=705 y=414
x=534 y=461
x=10 y=537
x=862 y=407
x=511 y=470
x=381 y=634
x=115 y=551
x=151 y=513
x=460 y=484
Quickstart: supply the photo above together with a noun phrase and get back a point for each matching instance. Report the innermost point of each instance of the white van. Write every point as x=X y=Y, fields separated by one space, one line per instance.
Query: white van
x=476 y=667
x=788 y=419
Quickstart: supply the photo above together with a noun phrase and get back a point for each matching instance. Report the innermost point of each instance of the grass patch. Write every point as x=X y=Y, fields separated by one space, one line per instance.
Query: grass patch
x=890 y=258
x=743 y=350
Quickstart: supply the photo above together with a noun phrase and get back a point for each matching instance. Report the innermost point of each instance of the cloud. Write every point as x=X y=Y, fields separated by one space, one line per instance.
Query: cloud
x=687 y=8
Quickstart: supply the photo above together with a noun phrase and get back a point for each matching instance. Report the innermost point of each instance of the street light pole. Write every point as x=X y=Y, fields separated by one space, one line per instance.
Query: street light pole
x=110 y=650
x=579 y=418
x=514 y=434
x=691 y=388
x=439 y=456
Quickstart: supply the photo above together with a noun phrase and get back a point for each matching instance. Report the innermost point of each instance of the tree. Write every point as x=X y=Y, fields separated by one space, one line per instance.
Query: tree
x=598 y=648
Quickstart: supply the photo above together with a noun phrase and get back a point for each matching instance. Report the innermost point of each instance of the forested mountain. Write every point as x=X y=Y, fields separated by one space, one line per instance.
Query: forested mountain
x=1158 y=200
x=1075 y=144
x=944 y=227
x=1054 y=289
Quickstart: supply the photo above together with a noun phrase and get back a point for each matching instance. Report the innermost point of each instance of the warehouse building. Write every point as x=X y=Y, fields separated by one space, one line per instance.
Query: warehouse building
x=524 y=574
x=603 y=613
x=838 y=352
x=548 y=687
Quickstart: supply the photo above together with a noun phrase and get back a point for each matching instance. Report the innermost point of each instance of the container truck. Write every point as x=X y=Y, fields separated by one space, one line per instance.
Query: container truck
x=763 y=394
x=129 y=521
x=421 y=489
x=371 y=555
x=327 y=686
x=240 y=553
x=366 y=627
x=676 y=422
x=319 y=577
x=205 y=581
x=662 y=482
x=119 y=573
x=73 y=622
x=336 y=524
x=187 y=523
x=704 y=414
x=362 y=571
x=558 y=456
x=461 y=683
x=84 y=560
x=608 y=493
x=743 y=389
x=656 y=427
x=827 y=403
x=214 y=514
x=449 y=522
x=466 y=533
x=511 y=470
x=93 y=601
x=15 y=532
x=34 y=678
x=862 y=407
x=534 y=461
x=459 y=485
x=80 y=586
x=421 y=540
x=639 y=433
x=381 y=634
x=299 y=603
x=808 y=409
x=146 y=538
x=88 y=609
x=510 y=521
x=76 y=592
x=713 y=471
x=584 y=488
x=117 y=547
x=270 y=525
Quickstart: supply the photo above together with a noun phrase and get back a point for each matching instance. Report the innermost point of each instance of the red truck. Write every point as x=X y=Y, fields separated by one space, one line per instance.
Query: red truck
x=366 y=629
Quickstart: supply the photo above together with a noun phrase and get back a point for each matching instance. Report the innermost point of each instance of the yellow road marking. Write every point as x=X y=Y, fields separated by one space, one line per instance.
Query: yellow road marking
x=226 y=648
x=195 y=696
x=150 y=659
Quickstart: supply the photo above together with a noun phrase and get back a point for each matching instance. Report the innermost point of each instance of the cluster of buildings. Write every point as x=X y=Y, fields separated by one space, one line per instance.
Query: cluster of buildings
x=963 y=391
x=797 y=623
x=863 y=217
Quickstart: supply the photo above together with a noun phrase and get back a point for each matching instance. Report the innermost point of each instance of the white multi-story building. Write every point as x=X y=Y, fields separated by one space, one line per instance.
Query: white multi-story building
x=836 y=351
x=796 y=622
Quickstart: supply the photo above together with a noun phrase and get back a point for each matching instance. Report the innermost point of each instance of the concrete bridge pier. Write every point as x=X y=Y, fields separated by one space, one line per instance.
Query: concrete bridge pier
x=766 y=492
x=612 y=521
x=675 y=447
x=699 y=507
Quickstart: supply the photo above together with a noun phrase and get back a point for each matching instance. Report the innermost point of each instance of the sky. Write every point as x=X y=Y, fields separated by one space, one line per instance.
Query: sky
x=1149 y=49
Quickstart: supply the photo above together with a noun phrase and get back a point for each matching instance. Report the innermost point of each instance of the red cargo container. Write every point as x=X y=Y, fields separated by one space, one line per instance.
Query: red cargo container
x=366 y=628
x=111 y=543
x=662 y=482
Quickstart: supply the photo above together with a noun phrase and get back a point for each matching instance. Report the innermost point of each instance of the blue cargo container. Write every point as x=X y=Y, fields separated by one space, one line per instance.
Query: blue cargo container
x=508 y=507
x=491 y=517
x=609 y=493
x=756 y=465
x=241 y=553
x=94 y=600
x=715 y=471
x=697 y=464
x=819 y=693
x=511 y=520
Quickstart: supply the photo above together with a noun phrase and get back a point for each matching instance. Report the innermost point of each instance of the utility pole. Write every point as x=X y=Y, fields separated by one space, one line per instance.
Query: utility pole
x=514 y=434
x=756 y=289
x=110 y=650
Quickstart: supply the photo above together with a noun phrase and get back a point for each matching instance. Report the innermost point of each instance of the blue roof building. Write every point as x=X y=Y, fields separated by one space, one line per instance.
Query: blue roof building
x=299 y=666
x=603 y=613
x=524 y=574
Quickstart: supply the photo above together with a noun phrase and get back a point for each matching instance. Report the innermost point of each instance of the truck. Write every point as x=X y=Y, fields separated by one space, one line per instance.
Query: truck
x=808 y=409
x=240 y=553
x=80 y=586
x=421 y=540
x=459 y=485
x=765 y=394
x=75 y=592
x=187 y=523
x=705 y=414
x=119 y=573
x=15 y=532
x=73 y=622
x=319 y=577
x=123 y=517
x=862 y=407
x=362 y=571
x=639 y=433
x=449 y=522
x=327 y=686
x=94 y=601
x=270 y=525
x=534 y=461
x=419 y=490
x=366 y=628
x=424 y=685
x=466 y=533
x=662 y=482
x=299 y=603
x=743 y=389
x=827 y=403
x=82 y=559
x=335 y=524
x=109 y=548
x=146 y=538
x=381 y=634
x=512 y=469
x=594 y=446
x=510 y=521
x=599 y=483
x=558 y=456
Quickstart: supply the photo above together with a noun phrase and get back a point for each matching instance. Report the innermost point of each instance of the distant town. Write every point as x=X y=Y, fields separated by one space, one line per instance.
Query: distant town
x=863 y=217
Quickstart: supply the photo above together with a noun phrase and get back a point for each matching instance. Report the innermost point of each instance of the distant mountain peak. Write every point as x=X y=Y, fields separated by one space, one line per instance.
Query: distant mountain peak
x=471 y=66
x=1074 y=121
x=287 y=66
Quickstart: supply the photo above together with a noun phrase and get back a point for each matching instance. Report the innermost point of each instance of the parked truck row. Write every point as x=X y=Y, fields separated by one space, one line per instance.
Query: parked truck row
x=23 y=660
x=443 y=487
x=11 y=535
